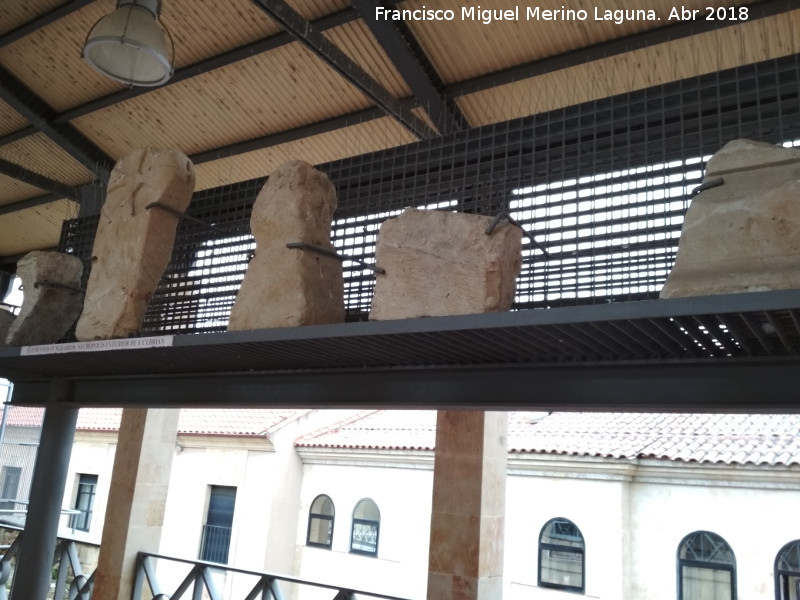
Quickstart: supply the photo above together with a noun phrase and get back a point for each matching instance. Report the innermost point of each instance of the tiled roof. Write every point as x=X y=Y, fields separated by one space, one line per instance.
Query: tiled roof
x=225 y=421
x=24 y=416
x=191 y=421
x=384 y=429
x=710 y=438
x=702 y=438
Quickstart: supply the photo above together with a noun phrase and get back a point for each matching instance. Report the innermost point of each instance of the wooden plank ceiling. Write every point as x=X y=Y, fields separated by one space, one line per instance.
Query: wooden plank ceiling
x=247 y=96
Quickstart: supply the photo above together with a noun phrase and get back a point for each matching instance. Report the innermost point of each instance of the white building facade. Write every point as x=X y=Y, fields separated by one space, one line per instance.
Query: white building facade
x=618 y=507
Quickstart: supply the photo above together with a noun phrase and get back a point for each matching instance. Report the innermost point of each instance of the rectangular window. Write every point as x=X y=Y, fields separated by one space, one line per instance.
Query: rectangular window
x=700 y=583
x=216 y=540
x=561 y=568
x=84 y=502
x=11 y=477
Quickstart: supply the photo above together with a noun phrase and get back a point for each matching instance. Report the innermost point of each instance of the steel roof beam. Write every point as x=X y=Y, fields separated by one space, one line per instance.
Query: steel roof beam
x=18 y=135
x=329 y=52
x=42 y=21
x=41 y=116
x=413 y=64
x=57 y=189
x=29 y=203
x=291 y=135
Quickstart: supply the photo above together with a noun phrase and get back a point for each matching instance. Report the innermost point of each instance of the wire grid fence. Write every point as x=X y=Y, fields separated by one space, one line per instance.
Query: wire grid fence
x=20 y=430
x=601 y=188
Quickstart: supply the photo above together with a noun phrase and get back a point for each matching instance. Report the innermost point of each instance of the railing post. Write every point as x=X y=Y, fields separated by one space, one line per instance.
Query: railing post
x=136 y=593
x=35 y=561
x=211 y=587
x=198 y=589
x=275 y=590
x=5 y=564
x=61 y=558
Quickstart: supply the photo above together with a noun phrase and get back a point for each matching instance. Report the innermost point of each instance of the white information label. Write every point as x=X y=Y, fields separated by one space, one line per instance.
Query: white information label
x=99 y=345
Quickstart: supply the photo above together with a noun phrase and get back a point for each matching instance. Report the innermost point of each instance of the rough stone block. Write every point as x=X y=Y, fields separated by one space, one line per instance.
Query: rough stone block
x=133 y=243
x=52 y=298
x=443 y=263
x=743 y=235
x=6 y=319
x=288 y=287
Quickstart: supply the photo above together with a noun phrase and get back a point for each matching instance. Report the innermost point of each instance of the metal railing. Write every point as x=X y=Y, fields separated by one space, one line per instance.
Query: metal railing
x=215 y=544
x=68 y=575
x=201 y=582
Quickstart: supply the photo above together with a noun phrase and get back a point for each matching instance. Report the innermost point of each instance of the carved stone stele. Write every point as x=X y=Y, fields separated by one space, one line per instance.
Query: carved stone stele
x=288 y=287
x=133 y=243
x=443 y=263
x=742 y=235
x=51 y=301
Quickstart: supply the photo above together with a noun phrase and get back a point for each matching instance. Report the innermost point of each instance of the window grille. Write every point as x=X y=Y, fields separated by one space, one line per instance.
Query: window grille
x=602 y=186
x=366 y=528
x=216 y=536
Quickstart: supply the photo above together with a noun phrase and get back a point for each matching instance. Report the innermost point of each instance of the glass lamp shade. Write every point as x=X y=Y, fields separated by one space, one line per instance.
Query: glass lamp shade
x=130 y=45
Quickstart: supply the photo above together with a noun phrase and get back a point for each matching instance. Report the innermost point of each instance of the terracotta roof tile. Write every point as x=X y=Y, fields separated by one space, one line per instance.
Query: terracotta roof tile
x=192 y=421
x=24 y=416
x=197 y=421
x=720 y=438
x=383 y=429
x=99 y=419
x=706 y=438
x=223 y=421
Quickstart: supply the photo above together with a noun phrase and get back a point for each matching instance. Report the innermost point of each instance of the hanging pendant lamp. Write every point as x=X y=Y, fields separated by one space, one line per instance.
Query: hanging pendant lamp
x=130 y=44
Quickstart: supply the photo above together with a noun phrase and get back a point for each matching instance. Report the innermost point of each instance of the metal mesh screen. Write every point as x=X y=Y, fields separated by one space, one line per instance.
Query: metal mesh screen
x=20 y=430
x=601 y=189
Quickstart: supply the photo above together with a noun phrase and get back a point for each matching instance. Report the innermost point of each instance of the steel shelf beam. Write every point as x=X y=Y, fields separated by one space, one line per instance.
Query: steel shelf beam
x=730 y=353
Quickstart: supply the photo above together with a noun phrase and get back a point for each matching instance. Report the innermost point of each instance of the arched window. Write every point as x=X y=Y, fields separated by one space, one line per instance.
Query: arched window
x=320 y=522
x=706 y=568
x=561 y=556
x=787 y=572
x=366 y=527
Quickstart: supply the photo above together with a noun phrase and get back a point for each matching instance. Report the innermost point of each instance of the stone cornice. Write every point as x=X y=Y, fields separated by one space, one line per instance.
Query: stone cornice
x=367 y=457
x=243 y=442
x=578 y=467
x=655 y=471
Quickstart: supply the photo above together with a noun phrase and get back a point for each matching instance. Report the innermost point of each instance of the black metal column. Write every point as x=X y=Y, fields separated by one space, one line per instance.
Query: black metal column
x=35 y=560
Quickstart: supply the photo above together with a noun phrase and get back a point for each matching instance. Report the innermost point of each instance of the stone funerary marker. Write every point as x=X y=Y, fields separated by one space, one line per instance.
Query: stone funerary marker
x=52 y=298
x=744 y=234
x=133 y=243
x=288 y=287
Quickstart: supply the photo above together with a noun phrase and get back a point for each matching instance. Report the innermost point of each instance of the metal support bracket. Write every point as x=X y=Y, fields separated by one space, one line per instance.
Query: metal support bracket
x=504 y=215
x=183 y=216
x=332 y=254
x=707 y=185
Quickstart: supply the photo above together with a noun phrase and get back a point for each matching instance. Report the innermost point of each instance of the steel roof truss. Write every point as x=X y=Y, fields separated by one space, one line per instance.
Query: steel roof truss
x=329 y=52
x=41 y=116
x=407 y=55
